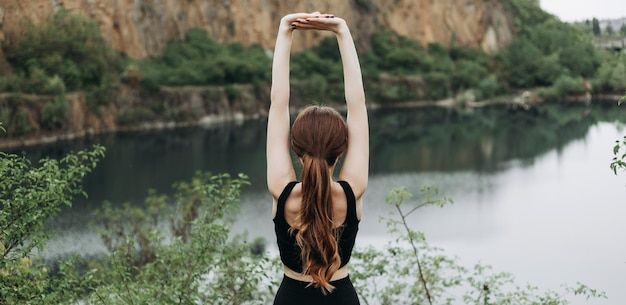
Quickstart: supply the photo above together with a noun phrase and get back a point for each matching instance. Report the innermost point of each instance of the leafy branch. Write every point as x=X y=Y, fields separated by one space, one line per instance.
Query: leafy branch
x=619 y=150
x=397 y=198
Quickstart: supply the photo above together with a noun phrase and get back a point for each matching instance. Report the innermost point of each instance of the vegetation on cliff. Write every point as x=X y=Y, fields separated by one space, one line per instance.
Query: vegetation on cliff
x=67 y=53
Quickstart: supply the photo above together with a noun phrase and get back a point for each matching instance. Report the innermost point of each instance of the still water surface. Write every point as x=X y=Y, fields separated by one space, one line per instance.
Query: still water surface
x=533 y=192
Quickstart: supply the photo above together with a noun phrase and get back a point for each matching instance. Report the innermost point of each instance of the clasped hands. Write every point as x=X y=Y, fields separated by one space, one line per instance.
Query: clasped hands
x=313 y=21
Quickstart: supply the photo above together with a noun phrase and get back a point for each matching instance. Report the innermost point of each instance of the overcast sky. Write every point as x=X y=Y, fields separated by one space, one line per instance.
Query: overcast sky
x=578 y=10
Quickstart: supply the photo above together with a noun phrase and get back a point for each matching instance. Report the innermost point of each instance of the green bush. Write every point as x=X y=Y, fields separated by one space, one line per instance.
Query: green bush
x=36 y=81
x=438 y=85
x=54 y=114
x=11 y=83
x=55 y=86
x=567 y=85
x=21 y=124
x=312 y=89
x=307 y=63
x=548 y=70
x=66 y=45
x=520 y=61
x=467 y=74
x=30 y=196
x=200 y=265
x=611 y=74
x=489 y=87
x=199 y=60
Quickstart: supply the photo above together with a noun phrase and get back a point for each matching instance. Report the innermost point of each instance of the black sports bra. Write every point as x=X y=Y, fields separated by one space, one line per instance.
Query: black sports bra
x=287 y=246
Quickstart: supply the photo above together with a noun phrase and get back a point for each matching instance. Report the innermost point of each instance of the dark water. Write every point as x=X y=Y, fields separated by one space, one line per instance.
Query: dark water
x=533 y=192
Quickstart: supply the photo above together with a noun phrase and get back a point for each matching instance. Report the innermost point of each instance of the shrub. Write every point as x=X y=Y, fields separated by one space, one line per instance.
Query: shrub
x=467 y=74
x=521 y=63
x=11 y=83
x=21 y=124
x=548 y=70
x=307 y=63
x=54 y=114
x=489 y=87
x=30 y=196
x=55 y=86
x=312 y=89
x=199 y=60
x=200 y=265
x=567 y=85
x=66 y=45
x=438 y=85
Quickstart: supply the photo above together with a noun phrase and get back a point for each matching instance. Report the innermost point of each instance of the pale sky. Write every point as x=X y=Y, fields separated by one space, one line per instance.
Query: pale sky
x=579 y=10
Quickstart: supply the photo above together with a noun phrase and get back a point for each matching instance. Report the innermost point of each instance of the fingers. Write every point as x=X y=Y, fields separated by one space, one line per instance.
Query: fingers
x=318 y=22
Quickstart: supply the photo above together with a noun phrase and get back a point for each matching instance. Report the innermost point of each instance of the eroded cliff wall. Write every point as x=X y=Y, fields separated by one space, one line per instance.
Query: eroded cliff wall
x=141 y=28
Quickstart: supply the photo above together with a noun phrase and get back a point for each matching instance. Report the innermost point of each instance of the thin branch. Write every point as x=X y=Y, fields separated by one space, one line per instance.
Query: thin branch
x=415 y=252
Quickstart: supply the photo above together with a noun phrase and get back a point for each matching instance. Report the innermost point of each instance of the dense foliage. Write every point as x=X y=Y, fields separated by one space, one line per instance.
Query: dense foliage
x=199 y=60
x=29 y=196
x=66 y=52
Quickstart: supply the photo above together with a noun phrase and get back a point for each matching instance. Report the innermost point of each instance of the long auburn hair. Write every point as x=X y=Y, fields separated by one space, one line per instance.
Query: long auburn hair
x=319 y=136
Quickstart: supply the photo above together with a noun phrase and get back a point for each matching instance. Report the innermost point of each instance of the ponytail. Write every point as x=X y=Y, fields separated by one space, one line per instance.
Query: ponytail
x=319 y=137
x=315 y=235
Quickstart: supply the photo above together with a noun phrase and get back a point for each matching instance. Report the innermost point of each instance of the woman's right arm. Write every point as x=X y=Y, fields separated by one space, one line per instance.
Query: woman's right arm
x=279 y=165
x=355 y=168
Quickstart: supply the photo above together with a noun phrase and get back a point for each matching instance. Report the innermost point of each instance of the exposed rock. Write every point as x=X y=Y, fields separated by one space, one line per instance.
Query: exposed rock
x=141 y=28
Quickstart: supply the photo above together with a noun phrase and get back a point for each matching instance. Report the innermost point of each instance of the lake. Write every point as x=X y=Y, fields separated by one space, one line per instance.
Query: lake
x=532 y=189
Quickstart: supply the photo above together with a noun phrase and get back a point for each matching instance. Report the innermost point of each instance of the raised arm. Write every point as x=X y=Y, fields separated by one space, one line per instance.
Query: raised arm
x=355 y=167
x=279 y=165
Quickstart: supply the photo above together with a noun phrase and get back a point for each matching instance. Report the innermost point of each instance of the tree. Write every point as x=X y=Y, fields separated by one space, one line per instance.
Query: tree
x=595 y=25
x=609 y=30
x=29 y=196
x=622 y=29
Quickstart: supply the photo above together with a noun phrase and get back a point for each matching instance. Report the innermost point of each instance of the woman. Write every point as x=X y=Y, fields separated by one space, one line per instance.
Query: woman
x=316 y=220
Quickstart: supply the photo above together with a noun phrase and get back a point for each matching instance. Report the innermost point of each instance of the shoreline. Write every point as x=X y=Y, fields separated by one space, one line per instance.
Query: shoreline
x=524 y=101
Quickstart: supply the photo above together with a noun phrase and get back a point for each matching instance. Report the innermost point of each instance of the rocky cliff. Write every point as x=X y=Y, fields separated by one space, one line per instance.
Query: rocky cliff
x=141 y=28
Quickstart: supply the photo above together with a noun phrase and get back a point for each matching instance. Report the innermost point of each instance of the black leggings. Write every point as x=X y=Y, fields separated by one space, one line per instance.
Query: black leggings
x=294 y=292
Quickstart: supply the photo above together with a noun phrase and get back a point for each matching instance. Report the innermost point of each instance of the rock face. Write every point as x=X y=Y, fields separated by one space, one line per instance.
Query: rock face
x=141 y=28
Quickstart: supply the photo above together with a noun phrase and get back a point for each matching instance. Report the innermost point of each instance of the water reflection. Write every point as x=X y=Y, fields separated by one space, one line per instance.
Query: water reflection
x=474 y=139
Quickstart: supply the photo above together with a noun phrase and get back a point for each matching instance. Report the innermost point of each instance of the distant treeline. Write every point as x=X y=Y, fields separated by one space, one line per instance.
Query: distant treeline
x=68 y=53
